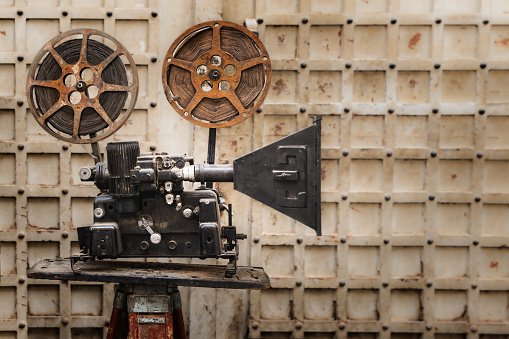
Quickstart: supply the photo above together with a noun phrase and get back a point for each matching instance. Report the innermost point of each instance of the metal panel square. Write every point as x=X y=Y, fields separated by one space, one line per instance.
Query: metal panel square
x=282 y=41
x=451 y=305
x=495 y=220
x=411 y=131
x=8 y=297
x=455 y=175
x=366 y=175
x=369 y=87
x=283 y=89
x=451 y=262
x=367 y=131
x=408 y=218
x=320 y=304
x=7 y=124
x=459 y=86
x=364 y=219
x=413 y=87
x=43 y=213
x=43 y=300
x=406 y=261
x=324 y=87
x=410 y=175
x=460 y=42
x=406 y=305
x=414 y=41
x=278 y=260
x=86 y=300
x=326 y=256
x=362 y=305
x=457 y=132
x=370 y=42
x=368 y=256
x=277 y=304
x=453 y=219
x=325 y=42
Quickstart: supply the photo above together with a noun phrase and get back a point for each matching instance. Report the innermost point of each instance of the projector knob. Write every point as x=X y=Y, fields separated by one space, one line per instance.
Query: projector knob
x=155 y=238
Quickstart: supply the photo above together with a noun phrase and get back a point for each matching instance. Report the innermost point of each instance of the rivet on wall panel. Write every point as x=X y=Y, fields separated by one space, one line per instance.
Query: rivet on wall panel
x=305 y=20
x=346 y=109
x=20 y=103
x=20 y=13
x=437 y=66
x=431 y=197
x=302 y=109
x=154 y=14
x=21 y=58
x=109 y=13
x=259 y=21
x=438 y=21
x=482 y=111
x=344 y=196
x=483 y=65
x=345 y=153
x=349 y=21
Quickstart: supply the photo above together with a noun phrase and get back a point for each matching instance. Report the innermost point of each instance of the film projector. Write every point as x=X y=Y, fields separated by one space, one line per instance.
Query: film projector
x=82 y=87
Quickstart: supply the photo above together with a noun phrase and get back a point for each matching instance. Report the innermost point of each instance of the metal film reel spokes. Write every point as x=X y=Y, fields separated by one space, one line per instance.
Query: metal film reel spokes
x=216 y=74
x=78 y=86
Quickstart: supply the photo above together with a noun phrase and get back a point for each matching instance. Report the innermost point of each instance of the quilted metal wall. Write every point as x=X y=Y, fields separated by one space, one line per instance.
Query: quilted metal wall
x=415 y=194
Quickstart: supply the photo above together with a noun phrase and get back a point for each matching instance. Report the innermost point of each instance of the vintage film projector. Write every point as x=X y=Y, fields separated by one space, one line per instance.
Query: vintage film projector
x=82 y=87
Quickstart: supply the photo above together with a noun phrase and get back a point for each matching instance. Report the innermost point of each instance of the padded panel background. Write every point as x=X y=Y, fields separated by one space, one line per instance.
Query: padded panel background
x=415 y=196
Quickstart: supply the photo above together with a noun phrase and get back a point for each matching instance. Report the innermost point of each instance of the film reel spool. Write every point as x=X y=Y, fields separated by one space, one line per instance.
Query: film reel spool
x=216 y=74
x=81 y=86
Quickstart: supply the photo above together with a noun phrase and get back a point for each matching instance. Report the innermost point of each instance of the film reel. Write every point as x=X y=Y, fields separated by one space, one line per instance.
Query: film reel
x=216 y=74
x=81 y=86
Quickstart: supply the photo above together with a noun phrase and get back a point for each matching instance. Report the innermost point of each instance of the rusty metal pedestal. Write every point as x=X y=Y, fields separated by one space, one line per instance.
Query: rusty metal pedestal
x=147 y=301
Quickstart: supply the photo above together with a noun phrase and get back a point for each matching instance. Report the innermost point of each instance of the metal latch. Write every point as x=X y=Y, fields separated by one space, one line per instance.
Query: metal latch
x=291 y=181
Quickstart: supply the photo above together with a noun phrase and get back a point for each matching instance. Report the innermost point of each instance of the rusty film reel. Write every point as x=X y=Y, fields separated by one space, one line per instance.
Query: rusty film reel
x=216 y=74
x=78 y=86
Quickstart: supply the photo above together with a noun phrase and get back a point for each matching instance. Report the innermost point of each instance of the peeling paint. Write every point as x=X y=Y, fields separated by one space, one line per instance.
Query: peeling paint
x=414 y=40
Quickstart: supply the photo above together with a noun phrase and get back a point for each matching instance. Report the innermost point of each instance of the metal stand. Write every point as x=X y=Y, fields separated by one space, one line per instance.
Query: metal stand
x=147 y=301
x=146 y=311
